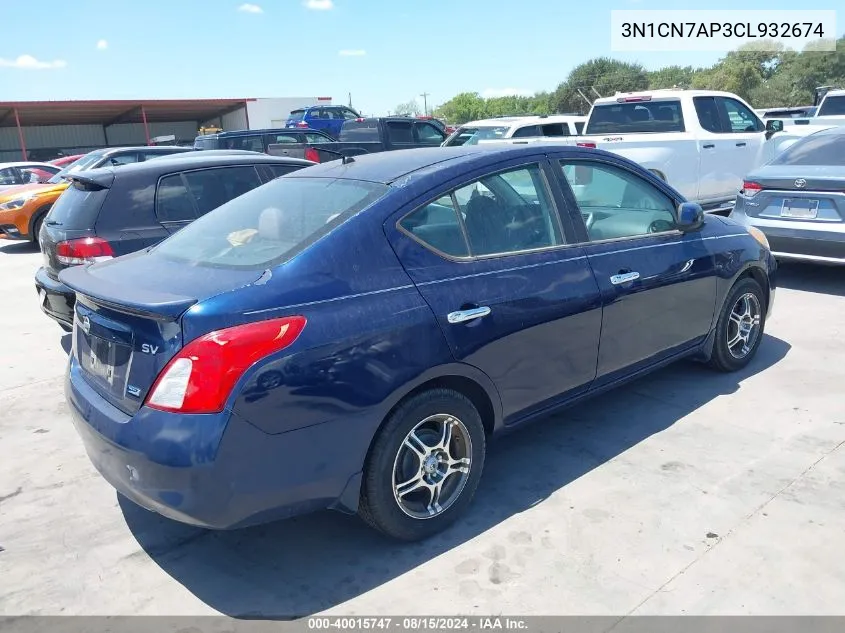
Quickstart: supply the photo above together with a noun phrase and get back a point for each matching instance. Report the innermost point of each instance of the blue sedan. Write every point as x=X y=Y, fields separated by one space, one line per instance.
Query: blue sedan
x=351 y=336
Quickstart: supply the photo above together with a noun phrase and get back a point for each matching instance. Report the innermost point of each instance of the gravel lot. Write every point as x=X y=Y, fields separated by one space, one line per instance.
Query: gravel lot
x=685 y=492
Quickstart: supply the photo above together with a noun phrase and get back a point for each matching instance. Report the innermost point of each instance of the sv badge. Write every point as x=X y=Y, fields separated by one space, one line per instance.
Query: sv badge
x=149 y=349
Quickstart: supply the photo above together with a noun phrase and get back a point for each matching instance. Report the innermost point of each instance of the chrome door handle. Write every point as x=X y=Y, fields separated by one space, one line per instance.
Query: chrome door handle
x=688 y=265
x=462 y=316
x=623 y=278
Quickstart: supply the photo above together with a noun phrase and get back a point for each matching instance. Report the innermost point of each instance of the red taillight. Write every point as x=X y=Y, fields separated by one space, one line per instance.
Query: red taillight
x=201 y=376
x=302 y=124
x=312 y=154
x=83 y=251
x=360 y=119
x=750 y=189
x=590 y=145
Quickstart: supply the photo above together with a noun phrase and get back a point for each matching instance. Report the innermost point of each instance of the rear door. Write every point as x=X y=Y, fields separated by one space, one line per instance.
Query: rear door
x=716 y=152
x=747 y=133
x=658 y=285
x=513 y=297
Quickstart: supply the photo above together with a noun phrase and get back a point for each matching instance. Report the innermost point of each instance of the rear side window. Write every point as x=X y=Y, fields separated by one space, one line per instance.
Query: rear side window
x=437 y=226
x=271 y=172
x=78 y=207
x=527 y=131
x=272 y=223
x=173 y=201
x=251 y=142
x=399 y=132
x=818 y=149
x=359 y=131
x=206 y=143
x=555 y=129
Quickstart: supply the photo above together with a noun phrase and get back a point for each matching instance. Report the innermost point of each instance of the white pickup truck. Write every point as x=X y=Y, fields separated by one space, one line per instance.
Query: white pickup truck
x=701 y=142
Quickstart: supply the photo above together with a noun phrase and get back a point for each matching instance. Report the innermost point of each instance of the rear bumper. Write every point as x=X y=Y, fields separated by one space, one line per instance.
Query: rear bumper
x=214 y=471
x=58 y=301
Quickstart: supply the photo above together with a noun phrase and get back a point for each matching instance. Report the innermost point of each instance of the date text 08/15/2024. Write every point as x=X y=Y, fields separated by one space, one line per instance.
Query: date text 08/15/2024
x=417 y=623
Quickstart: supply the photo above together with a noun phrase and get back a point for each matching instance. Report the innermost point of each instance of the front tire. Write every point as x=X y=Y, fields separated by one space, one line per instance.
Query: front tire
x=424 y=466
x=740 y=327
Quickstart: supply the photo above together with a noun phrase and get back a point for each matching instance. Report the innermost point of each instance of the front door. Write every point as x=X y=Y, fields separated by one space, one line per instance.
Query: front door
x=512 y=296
x=658 y=285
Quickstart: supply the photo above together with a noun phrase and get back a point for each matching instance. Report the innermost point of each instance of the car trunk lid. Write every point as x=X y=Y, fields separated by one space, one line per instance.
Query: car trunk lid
x=126 y=329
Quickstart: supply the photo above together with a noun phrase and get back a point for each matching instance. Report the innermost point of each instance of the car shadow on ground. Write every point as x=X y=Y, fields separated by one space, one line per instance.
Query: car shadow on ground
x=308 y=564
x=829 y=280
x=14 y=247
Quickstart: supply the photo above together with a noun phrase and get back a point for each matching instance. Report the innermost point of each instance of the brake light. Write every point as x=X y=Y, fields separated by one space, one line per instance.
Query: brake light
x=750 y=189
x=360 y=119
x=84 y=250
x=632 y=99
x=312 y=154
x=302 y=124
x=585 y=144
x=201 y=376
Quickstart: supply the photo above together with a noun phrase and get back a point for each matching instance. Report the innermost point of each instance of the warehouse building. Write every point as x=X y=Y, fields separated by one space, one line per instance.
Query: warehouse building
x=43 y=130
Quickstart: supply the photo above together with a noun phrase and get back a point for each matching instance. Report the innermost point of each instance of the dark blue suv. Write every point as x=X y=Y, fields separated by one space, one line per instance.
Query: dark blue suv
x=349 y=335
x=327 y=118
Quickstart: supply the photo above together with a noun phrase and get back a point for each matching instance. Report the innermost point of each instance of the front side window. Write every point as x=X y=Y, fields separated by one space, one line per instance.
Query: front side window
x=428 y=134
x=741 y=119
x=310 y=137
x=122 y=159
x=282 y=138
x=399 y=132
x=9 y=176
x=616 y=203
x=270 y=224
x=501 y=214
x=708 y=114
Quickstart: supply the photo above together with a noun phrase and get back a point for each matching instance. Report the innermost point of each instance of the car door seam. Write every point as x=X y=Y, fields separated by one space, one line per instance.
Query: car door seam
x=500 y=271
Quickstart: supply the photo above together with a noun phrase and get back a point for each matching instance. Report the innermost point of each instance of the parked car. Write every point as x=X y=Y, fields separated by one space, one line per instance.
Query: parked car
x=325 y=118
x=64 y=161
x=23 y=208
x=349 y=336
x=798 y=200
x=109 y=212
x=25 y=173
x=702 y=142
x=519 y=128
x=258 y=140
x=367 y=136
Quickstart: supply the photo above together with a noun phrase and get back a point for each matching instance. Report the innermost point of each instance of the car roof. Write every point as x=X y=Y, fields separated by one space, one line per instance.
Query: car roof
x=196 y=159
x=165 y=149
x=268 y=130
x=835 y=93
x=27 y=163
x=388 y=167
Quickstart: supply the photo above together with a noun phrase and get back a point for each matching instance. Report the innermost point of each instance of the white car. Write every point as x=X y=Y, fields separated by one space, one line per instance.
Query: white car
x=25 y=173
x=520 y=129
x=701 y=142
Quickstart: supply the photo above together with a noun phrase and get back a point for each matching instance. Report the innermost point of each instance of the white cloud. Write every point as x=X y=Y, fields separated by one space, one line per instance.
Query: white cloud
x=102 y=45
x=319 y=5
x=250 y=8
x=28 y=62
x=506 y=92
x=352 y=52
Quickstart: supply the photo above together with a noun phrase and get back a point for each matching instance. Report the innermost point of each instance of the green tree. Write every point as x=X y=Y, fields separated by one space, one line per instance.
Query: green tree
x=738 y=77
x=467 y=106
x=409 y=108
x=670 y=77
x=603 y=75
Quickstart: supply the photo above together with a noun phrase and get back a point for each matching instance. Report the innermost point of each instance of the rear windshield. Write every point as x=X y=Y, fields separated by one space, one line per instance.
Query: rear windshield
x=471 y=135
x=86 y=162
x=206 y=142
x=817 y=149
x=832 y=106
x=270 y=224
x=621 y=118
x=359 y=131
x=77 y=207
x=297 y=115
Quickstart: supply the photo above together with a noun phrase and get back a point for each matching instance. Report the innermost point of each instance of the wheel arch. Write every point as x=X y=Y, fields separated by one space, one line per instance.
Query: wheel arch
x=39 y=213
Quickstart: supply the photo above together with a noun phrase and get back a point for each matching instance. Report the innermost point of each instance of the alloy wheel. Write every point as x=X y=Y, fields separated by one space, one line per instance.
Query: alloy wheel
x=744 y=325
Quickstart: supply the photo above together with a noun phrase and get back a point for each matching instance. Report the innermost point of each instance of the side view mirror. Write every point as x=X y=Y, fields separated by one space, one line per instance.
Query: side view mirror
x=773 y=126
x=690 y=216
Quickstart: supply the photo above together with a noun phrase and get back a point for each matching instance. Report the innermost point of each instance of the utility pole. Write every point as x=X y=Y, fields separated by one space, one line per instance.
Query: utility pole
x=350 y=99
x=425 y=103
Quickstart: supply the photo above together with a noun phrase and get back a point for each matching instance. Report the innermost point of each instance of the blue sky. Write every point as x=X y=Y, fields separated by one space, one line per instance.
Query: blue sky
x=383 y=53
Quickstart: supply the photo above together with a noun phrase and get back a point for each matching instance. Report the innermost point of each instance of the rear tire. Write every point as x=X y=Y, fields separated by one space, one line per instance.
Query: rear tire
x=424 y=466
x=37 y=222
x=740 y=327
